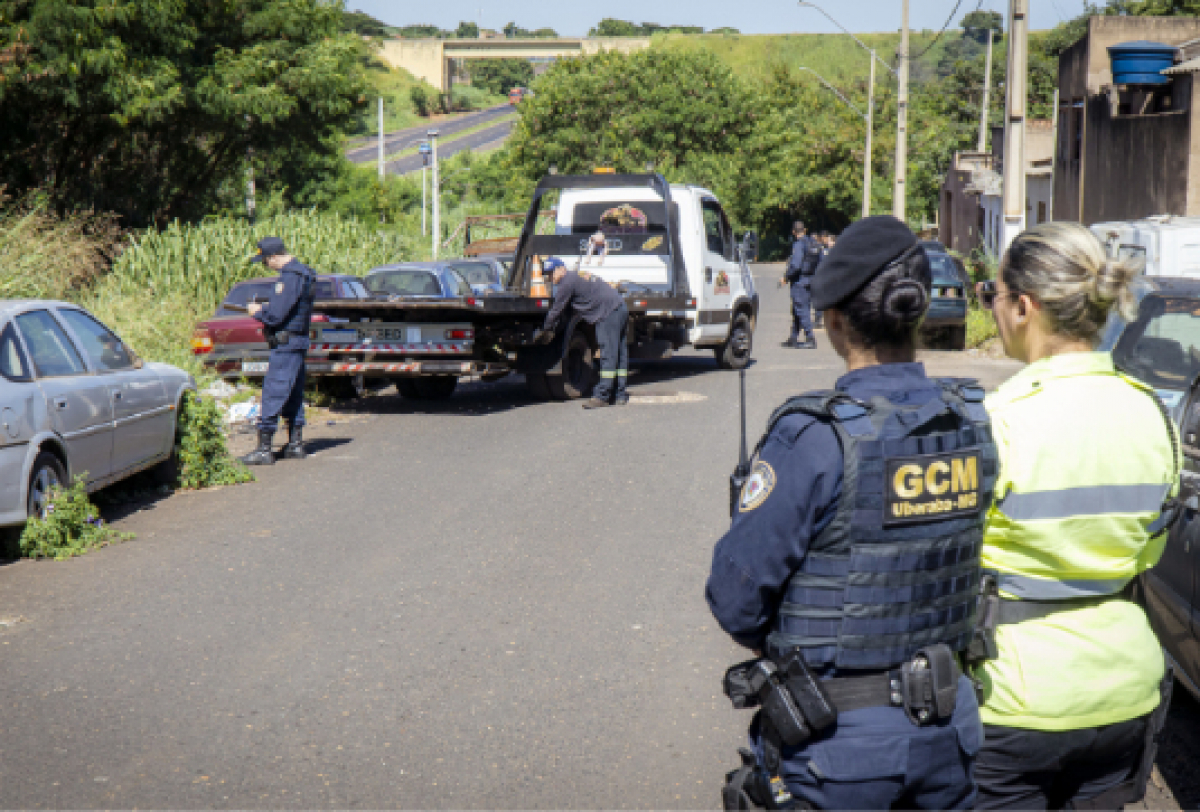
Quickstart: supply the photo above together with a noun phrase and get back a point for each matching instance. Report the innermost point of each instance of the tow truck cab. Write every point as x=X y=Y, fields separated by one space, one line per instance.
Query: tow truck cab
x=634 y=221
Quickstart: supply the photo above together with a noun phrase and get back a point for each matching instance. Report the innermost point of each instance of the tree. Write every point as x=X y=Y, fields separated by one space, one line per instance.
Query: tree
x=514 y=31
x=152 y=109
x=422 y=31
x=610 y=27
x=499 y=76
x=467 y=30
x=616 y=109
x=363 y=24
x=977 y=24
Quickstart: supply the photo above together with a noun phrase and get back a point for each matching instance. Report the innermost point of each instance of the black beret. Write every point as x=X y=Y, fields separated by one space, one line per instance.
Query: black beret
x=268 y=247
x=862 y=252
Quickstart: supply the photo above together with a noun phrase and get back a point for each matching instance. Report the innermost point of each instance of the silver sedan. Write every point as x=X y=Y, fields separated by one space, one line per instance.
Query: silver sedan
x=75 y=400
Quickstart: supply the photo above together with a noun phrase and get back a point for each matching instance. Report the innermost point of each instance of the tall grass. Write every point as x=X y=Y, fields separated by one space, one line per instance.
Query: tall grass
x=45 y=256
x=166 y=281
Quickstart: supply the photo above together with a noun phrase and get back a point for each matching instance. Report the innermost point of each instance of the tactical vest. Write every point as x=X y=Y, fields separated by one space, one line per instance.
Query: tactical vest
x=812 y=259
x=898 y=567
x=298 y=320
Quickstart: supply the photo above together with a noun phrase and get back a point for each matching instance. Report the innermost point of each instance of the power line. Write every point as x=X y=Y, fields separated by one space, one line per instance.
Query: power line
x=949 y=20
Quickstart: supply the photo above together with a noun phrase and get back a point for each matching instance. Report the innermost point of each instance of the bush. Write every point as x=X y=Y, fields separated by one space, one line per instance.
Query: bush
x=420 y=100
x=43 y=256
x=204 y=459
x=72 y=527
x=981 y=327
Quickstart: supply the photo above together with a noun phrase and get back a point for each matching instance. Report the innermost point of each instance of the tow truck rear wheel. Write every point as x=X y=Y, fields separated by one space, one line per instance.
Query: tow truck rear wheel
x=438 y=387
x=579 y=377
x=735 y=352
x=538 y=386
x=407 y=387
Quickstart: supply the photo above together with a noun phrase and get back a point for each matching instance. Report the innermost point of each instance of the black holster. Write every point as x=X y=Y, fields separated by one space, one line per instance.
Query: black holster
x=983 y=642
x=928 y=684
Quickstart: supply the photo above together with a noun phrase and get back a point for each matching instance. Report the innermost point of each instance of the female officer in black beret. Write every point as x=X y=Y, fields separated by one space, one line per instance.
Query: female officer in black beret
x=853 y=559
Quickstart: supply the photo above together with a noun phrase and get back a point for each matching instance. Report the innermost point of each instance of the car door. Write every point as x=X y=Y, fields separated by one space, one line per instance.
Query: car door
x=719 y=268
x=79 y=402
x=143 y=422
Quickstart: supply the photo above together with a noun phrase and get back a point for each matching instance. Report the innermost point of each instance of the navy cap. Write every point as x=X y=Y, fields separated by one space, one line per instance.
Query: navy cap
x=862 y=252
x=268 y=247
x=552 y=263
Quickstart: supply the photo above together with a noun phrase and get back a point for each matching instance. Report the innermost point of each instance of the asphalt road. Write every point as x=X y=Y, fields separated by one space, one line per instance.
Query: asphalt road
x=486 y=603
x=477 y=141
x=367 y=150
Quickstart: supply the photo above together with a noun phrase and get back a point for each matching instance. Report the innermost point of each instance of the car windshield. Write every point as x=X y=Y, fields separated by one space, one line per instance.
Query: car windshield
x=404 y=283
x=1162 y=347
x=944 y=270
x=476 y=273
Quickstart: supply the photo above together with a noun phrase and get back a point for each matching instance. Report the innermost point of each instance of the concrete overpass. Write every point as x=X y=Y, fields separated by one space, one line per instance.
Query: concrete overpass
x=429 y=59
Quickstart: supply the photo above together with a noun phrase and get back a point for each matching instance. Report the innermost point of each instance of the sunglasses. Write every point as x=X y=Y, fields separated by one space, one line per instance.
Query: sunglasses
x=988 y=294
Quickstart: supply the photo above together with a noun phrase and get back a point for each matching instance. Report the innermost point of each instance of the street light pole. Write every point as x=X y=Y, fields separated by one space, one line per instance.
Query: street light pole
x=866 y=207
x=898 y=195
x=1014 y=131
x=381 y=138
x=436 y=192
x=425 y=150
x=987 y=96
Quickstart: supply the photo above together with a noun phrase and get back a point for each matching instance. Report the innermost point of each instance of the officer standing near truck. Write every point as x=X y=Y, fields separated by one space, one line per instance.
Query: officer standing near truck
x=806 y=256
x=852 y=565
x=600 y=305
x=285 y=322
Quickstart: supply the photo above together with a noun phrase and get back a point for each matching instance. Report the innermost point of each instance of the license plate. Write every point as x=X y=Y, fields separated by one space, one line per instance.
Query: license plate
x=384 y=333
x=340 y=336
x=255 y=366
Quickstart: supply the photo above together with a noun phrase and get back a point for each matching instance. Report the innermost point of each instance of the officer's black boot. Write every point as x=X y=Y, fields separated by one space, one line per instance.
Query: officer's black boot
x=263 y=454
x=294 y=450
x=791 y=343
x=809 y=343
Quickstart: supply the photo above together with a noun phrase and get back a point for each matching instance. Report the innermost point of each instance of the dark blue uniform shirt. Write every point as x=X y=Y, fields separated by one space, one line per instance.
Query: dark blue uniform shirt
x=765 y=545
x=874 y=758
x=796 y=260
x=288 y=289
x=591 y=297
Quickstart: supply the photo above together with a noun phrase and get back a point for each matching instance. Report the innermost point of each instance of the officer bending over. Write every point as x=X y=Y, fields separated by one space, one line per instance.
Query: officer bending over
x=852 y=562
x=806 y=256
x=1073 y=702
x=285 y=322
x=600 y=305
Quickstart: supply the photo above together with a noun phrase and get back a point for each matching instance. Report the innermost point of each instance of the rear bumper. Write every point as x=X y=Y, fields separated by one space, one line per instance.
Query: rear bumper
x=323 y=367
x=946 y=313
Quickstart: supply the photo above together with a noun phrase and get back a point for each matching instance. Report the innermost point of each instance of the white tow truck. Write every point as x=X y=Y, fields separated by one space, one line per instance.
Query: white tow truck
x=1169 y=245
x=671 y=253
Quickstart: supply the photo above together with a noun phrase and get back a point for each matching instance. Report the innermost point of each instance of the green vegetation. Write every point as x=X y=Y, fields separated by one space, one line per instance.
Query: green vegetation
x=610 y=27
x=203 y=457
x=981 y=327
x=72 y=527
x=498 y=76
x=151 y=110
x=363 y=24
x=43 y=255
x=514 y=31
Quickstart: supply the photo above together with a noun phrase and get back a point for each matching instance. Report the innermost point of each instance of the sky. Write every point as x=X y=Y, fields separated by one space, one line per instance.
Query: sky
x=573 y=18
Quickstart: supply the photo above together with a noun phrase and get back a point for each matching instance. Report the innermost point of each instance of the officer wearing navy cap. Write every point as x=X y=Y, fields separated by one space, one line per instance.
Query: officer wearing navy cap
x=285 y=321
x=852 y=565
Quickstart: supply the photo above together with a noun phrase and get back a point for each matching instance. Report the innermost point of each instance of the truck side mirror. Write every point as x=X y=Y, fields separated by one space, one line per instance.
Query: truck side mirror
x=750 y=246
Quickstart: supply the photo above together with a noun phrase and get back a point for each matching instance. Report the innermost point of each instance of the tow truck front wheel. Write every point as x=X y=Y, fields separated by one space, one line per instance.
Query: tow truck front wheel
x=735 y=352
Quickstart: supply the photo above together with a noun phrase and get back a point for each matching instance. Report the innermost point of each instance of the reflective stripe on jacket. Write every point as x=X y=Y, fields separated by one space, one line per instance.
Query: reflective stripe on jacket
x=1086 y=461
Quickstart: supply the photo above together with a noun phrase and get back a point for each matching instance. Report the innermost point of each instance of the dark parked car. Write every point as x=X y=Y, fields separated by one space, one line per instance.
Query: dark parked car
x=231 y=343
x=947 y=315
x=1162 y=348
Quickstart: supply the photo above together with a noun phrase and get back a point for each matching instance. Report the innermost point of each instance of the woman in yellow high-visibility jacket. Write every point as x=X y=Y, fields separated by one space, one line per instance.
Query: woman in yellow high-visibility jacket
x=1087 y=458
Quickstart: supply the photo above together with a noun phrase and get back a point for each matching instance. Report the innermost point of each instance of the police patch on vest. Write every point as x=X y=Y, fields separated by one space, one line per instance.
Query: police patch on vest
x=933 y=486
x=758 y=487
x=279 y=287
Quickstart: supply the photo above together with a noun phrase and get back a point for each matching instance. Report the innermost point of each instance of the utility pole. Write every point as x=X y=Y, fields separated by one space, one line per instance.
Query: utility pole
x=1014 y=131
x=436 y=192
x=898 y=194
x=987 y=97
x=866 y=202
x=381 y=170
x=1053 y=156
x=425 y=150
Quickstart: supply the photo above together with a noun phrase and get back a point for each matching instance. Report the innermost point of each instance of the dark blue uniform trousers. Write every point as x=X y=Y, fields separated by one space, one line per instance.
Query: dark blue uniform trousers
x=801 y=309
x=877 y=759
x=611 y=334
x=283 y=390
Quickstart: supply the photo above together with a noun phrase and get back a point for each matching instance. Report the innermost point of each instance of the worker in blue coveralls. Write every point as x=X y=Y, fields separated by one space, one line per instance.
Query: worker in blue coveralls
x=285 y=321
x=599 y=304
x=852 y=566
x=802 y=264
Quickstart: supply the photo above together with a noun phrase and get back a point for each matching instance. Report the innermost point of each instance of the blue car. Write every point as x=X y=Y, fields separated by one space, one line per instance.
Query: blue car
x=947 y=315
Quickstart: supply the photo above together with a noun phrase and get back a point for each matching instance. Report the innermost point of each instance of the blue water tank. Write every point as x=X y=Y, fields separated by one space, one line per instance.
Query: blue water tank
x=1141 y=62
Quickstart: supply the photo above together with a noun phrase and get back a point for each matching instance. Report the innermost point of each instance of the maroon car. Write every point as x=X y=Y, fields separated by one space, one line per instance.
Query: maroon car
x=231 y=343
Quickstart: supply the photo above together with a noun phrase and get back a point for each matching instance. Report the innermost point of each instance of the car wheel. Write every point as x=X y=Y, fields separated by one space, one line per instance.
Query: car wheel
x=342 y=387
x=579 y=372
x=538 y=386
x=736 y=351
x=47 y=474
x=407 y=387
x=167 y=471
x=437 y=388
